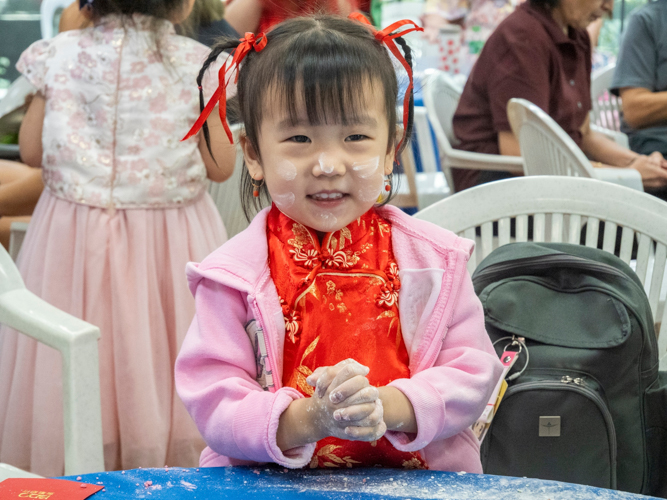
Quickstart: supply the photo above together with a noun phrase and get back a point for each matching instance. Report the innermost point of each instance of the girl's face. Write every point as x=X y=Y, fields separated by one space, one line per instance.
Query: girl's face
x=323 y=176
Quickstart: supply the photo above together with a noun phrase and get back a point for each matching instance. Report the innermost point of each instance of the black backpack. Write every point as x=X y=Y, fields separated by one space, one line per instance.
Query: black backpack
x=589 y=405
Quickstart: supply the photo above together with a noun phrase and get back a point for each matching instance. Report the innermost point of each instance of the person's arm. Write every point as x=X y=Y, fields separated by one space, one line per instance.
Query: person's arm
x=643 y=108
x=448 y=397
x=600 y=148
x=220 y=166
x=72 y=18
x=606 y=153
x=508 y=143
x=215 y=378
x=635 y=74
x=20 y=188
x=244 y=15
x=30 y=133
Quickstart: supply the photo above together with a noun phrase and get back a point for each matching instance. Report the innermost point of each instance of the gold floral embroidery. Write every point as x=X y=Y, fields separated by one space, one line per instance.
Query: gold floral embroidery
x=292 y=325
x=326 y=452
x=387 y=314
x=342 y=308
x=413 y=463
x=383 y=227
x=301 y=236
x=303 y=372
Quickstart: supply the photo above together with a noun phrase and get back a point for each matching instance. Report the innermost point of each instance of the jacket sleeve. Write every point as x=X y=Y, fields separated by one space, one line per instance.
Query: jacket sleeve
x=215 y=378
x=449 y=397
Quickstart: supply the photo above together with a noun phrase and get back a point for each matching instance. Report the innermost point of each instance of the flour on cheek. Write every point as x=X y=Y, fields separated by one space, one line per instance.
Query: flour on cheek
x=286 y=170
x=370 y=181
x=283 y=200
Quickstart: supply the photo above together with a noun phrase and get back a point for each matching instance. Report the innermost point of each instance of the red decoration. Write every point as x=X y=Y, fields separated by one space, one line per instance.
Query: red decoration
x=46 y=489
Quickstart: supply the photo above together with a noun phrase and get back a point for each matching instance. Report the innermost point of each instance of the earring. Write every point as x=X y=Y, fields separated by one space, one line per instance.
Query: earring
x=255 y=187
x=387 y=188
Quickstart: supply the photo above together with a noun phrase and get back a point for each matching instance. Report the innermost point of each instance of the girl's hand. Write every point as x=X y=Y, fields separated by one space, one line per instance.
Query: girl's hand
x=345 y=404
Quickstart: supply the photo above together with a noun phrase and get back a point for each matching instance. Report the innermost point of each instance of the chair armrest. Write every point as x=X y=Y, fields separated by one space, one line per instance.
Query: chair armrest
x=480 y=161
x=27 y=313
x=618 y=137
x=16 y=236
x=627 y=177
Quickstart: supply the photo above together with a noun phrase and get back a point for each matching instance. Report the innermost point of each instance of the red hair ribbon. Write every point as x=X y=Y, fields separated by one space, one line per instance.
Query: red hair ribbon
x=248 y=43
x=387 y=36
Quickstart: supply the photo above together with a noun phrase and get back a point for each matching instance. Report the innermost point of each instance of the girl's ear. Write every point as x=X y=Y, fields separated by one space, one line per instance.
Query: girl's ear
x=251 y=159
x=389 y=159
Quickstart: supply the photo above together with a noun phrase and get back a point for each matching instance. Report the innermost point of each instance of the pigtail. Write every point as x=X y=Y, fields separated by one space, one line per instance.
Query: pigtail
x=218 y=48
x=408 y=127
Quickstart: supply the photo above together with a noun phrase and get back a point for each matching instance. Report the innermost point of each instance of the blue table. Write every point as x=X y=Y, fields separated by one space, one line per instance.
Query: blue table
x=276 y=483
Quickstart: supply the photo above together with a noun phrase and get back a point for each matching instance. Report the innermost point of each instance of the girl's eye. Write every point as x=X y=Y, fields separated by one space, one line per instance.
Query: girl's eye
x=356 y=137
x=299 y=138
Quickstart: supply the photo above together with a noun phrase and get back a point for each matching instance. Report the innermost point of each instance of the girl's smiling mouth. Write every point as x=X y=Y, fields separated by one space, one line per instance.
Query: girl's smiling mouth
x=327 y=198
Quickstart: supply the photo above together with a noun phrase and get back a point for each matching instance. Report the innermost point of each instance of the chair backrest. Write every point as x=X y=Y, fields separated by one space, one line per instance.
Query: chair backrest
x=606 y=106
x=77 y=342
x=48 y=9
x=227 y=195
x=545 y=147
x=560 y=209
x=441 y=98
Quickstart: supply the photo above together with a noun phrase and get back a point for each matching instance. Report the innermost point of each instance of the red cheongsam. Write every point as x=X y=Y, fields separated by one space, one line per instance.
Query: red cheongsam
x=340 y=300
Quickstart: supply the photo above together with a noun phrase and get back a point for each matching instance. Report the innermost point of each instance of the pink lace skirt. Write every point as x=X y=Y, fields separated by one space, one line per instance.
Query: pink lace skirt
x=126 y=274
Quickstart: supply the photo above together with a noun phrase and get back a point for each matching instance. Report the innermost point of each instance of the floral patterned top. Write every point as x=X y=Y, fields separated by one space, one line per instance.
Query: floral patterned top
x=115 y=113
x=340 y=300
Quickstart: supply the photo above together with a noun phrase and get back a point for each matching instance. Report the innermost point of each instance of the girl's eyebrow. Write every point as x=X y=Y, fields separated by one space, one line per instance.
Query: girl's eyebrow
x=304 y=122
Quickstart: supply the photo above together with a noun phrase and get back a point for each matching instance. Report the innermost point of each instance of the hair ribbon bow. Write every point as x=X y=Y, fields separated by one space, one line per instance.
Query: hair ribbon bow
x=387 y=36
x=249 y=42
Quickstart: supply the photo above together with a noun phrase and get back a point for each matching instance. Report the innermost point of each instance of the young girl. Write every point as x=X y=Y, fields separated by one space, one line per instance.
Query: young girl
x=334 y=331
x=124 y=209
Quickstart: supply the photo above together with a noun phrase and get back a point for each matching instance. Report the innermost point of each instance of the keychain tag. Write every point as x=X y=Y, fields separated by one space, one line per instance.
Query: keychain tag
x=479 y=428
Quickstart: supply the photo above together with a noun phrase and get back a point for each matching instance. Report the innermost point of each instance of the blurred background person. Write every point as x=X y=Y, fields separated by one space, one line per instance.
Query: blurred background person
x=641 y=78
x=541 y=53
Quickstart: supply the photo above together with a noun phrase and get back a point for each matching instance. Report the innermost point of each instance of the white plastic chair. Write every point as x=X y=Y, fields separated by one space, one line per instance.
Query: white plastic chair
x=548 y=150
x=77 y=342
x=48 y=10
x=560 y=207
x=419 y=189
x=441 y=98
x=607 y=107
x=226 y=195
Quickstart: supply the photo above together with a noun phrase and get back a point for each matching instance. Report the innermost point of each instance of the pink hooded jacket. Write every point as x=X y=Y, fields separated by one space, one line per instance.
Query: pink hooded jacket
x=229 y=370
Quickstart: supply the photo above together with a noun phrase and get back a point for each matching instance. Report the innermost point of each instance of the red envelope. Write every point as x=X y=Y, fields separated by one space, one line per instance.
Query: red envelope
x=46 y=489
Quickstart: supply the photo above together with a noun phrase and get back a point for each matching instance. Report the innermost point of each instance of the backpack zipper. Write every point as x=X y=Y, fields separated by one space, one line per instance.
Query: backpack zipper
x=577 y=384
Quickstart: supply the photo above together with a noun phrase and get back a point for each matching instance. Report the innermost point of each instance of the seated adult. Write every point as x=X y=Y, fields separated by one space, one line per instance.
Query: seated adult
x=542 y=53
x=641 y=78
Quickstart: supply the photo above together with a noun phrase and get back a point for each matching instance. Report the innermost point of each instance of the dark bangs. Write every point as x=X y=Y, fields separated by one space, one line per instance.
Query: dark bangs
x=323 y=62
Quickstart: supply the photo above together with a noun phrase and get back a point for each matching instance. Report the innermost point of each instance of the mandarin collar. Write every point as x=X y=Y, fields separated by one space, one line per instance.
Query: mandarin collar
x=348 y=235
x=555 y=32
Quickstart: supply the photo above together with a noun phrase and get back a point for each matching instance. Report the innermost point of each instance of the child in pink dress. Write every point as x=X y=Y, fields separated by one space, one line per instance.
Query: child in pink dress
x=125 y=207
